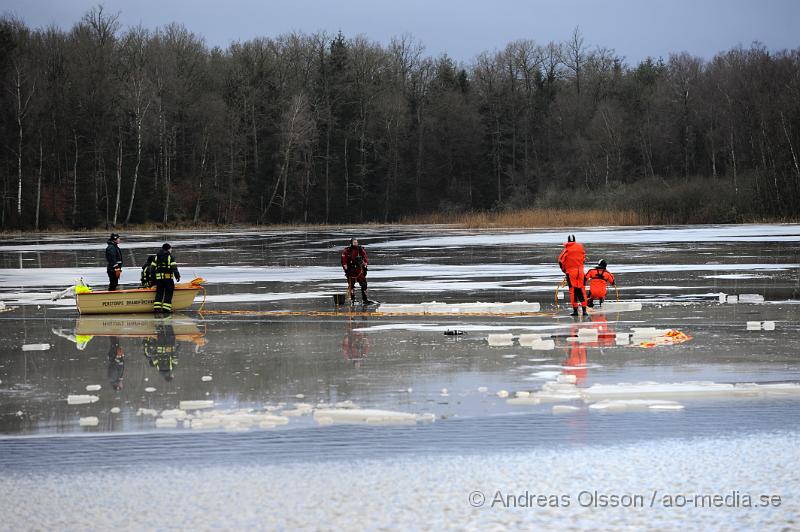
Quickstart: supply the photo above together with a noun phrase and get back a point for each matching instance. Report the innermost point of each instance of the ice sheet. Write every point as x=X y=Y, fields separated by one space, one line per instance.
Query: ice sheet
x=368 y=416
x=605 y=235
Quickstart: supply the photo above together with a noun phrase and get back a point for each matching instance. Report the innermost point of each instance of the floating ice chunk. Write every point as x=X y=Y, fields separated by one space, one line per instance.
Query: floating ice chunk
x=675 y=406
x=544 y=345
x=427 y=417
x=90 y=421
x=147 y=412
x=483 y=389
x=503 y=339
x=618 y=306
x=555 y=391
x=626 y=404
x=502 y=394
x=166 y=423
x=652 y=390
x=196 y=405
x=751 y=298
x=234 y=420
x=409 y=390
x=81 y=399
x=523 y=394
x=300 y=396
x=92 y=387
x=149 y=389
x=206 y=378
x=622 y=339
x=723 y=297
x=560 y=295
x=176 y=414
x=778 y=389
x=567 y=378
x=528 y=339
x=36 y=347
x=378 y=417
x=546 y=374
x=529 y=400
x=565 y=409
x=115 y=410
x=587 y=335
x=753 y=325
x=300 y=409
x=732 y=299
x=768 y=325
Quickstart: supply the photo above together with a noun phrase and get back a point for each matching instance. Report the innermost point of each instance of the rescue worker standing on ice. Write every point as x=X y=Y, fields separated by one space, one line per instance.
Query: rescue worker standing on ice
x=166 y=270
x=114 y=260
x=354 y=264
x=599 y=278
x=571 y=263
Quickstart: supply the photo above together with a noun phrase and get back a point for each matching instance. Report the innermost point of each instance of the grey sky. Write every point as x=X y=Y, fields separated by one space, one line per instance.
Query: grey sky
x=635 y=29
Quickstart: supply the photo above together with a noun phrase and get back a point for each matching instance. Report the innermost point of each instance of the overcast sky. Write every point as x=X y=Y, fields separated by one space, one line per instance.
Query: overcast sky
x=635 y=29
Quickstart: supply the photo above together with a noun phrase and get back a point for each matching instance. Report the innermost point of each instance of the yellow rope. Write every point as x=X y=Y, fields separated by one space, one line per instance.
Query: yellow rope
x=562 y=283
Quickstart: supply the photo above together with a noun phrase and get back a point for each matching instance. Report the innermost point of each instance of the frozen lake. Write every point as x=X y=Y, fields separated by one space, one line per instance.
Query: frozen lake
x=273 y=381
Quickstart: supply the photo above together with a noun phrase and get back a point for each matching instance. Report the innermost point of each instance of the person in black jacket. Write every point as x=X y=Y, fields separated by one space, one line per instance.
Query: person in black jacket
x=166 y=275
x=114 y=260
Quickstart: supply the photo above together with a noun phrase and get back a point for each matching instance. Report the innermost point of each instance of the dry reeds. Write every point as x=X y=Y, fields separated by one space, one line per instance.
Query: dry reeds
x=531 y=218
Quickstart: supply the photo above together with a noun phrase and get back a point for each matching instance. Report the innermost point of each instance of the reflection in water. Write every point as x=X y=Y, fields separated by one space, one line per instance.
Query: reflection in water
x=116 y=363
x=355 y=345
x=160 y=340
x=162 y=351
x=576 y=361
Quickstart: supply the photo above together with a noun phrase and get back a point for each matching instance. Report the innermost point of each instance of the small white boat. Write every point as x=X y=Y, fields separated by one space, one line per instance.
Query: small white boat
x=134 y=301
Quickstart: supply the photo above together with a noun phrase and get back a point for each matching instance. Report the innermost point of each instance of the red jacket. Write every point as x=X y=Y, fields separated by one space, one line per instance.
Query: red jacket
x=350 y=256
x=597 y=278
x=572 y=258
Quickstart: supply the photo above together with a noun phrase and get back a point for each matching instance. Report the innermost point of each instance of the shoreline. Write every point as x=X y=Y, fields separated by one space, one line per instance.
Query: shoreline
x=496 y=221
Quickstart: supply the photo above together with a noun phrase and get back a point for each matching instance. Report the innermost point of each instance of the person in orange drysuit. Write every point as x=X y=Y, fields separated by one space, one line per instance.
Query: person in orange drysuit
x=599 y=278
x=571 y=263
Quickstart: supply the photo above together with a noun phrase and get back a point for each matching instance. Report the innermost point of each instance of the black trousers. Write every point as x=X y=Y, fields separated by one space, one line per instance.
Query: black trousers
x=163 y=301
x=113 y=282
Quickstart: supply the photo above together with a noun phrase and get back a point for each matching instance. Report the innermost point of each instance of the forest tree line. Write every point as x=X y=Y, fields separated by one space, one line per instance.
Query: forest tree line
x=105 y=127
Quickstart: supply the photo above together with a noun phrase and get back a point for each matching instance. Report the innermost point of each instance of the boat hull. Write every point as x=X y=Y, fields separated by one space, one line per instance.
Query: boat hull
x=135 y=301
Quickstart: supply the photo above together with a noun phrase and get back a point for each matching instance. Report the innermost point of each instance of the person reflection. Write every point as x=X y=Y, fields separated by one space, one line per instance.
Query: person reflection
x=576 y=361
x=116 y=363
x=355 y=345
x=162 y=351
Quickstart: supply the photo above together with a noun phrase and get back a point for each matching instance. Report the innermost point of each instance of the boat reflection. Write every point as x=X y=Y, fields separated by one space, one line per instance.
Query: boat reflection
x=185 y=328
